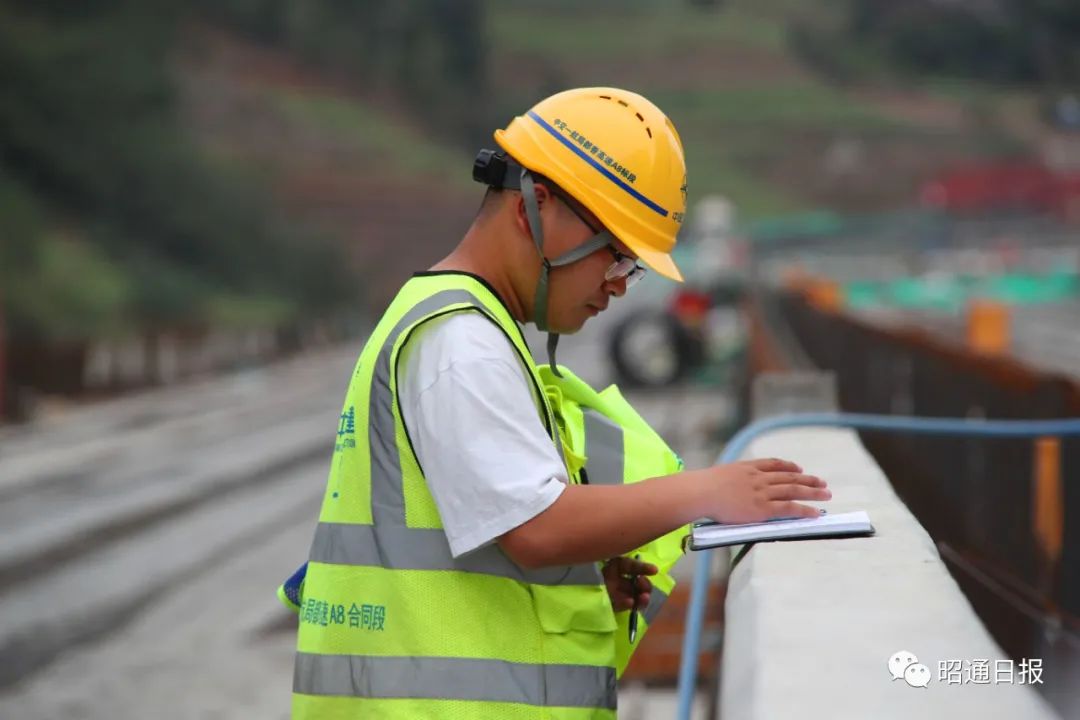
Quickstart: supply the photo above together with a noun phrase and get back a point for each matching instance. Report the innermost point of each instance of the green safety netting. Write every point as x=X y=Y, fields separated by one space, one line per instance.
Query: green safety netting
x=953 y=293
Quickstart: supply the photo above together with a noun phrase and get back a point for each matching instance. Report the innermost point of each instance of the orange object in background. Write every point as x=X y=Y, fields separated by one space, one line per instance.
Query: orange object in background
x=1047 y=512
x=1047 y=500
x=825 y=295
x=989 y=327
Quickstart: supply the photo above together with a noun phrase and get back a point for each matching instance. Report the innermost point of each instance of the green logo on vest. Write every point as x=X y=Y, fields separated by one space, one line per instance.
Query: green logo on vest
x=346 y=430
x=358 y=617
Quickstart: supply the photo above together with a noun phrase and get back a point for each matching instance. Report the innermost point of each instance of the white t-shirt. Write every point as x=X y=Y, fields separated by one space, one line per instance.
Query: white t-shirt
x=481 y=443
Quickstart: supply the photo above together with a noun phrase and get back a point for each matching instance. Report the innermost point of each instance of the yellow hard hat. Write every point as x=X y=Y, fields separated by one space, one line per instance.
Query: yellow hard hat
x=618 y=155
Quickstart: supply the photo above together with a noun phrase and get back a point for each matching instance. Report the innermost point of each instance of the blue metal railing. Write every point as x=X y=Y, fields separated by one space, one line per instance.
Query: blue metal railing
x=695 y=611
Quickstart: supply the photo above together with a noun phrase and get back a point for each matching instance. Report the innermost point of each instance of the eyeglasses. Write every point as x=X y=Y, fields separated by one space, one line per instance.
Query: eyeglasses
x=625 y=267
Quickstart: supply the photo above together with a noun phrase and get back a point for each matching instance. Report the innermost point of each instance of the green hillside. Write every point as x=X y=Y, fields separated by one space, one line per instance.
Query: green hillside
x=254 y=163
x=756 y=122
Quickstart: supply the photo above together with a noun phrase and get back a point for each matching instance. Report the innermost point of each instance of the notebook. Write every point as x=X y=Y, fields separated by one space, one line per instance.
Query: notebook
x=711 y=534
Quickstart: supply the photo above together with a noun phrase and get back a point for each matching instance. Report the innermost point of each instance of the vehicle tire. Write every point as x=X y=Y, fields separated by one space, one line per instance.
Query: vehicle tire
x=652 y=350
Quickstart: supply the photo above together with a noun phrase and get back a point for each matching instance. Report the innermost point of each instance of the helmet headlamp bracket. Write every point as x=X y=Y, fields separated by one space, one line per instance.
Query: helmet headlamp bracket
x=497 y=169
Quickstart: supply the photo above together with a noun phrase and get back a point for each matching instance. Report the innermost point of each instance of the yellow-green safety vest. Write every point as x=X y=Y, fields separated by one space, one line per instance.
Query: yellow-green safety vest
x=392 y=626
x=565 y=640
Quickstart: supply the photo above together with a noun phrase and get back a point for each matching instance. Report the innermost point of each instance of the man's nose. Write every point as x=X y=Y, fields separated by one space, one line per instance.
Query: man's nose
x=615 y=287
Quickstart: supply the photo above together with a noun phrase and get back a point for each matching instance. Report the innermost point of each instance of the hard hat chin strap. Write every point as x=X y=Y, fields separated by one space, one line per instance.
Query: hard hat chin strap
x=540 y=299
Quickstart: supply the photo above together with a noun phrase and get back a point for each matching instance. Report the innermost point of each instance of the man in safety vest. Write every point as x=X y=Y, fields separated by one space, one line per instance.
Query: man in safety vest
x=465 y=565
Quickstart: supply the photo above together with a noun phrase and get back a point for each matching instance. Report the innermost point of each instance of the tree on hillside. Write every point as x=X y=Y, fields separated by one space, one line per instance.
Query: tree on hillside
x=429 y=54
x=994 y=40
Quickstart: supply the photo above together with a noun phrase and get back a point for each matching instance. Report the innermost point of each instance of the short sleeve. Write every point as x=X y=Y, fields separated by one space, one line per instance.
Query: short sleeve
x=476 y=431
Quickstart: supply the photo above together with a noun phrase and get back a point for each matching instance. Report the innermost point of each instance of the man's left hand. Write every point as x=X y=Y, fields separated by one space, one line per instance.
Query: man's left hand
x=625 y=577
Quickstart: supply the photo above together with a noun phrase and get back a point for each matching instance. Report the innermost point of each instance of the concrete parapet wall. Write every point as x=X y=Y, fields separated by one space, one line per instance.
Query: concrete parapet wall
x=811 y=625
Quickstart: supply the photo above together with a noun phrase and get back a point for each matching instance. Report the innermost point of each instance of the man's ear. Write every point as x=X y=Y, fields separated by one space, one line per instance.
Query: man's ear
x=521 y=216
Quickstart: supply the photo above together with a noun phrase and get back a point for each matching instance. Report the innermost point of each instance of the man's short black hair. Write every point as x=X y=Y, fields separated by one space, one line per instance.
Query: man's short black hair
x=490 y=201
x=494 y=194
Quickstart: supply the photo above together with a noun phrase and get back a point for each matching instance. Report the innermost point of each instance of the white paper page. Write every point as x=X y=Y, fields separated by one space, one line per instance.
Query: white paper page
x=711 y=534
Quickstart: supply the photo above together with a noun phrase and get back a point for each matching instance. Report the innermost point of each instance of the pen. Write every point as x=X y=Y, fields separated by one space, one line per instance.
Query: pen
x=634 y=609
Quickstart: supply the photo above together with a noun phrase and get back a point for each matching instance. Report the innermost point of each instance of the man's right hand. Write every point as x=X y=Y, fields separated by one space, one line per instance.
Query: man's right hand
x=758 y=490
x=588 y=523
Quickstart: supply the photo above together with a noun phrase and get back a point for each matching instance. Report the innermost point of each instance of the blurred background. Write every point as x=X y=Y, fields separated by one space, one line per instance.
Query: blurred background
x=205 y=205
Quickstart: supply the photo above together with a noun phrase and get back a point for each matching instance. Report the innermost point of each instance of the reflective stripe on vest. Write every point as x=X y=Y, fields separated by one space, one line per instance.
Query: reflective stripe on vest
x=605 y=445
x=657 y=598
x=604 y=448
x=455 y=679
x=387 y=492
x=402 y=548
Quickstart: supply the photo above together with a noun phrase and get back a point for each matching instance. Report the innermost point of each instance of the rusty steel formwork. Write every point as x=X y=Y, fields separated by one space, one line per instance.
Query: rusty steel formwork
x=1005 y=513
